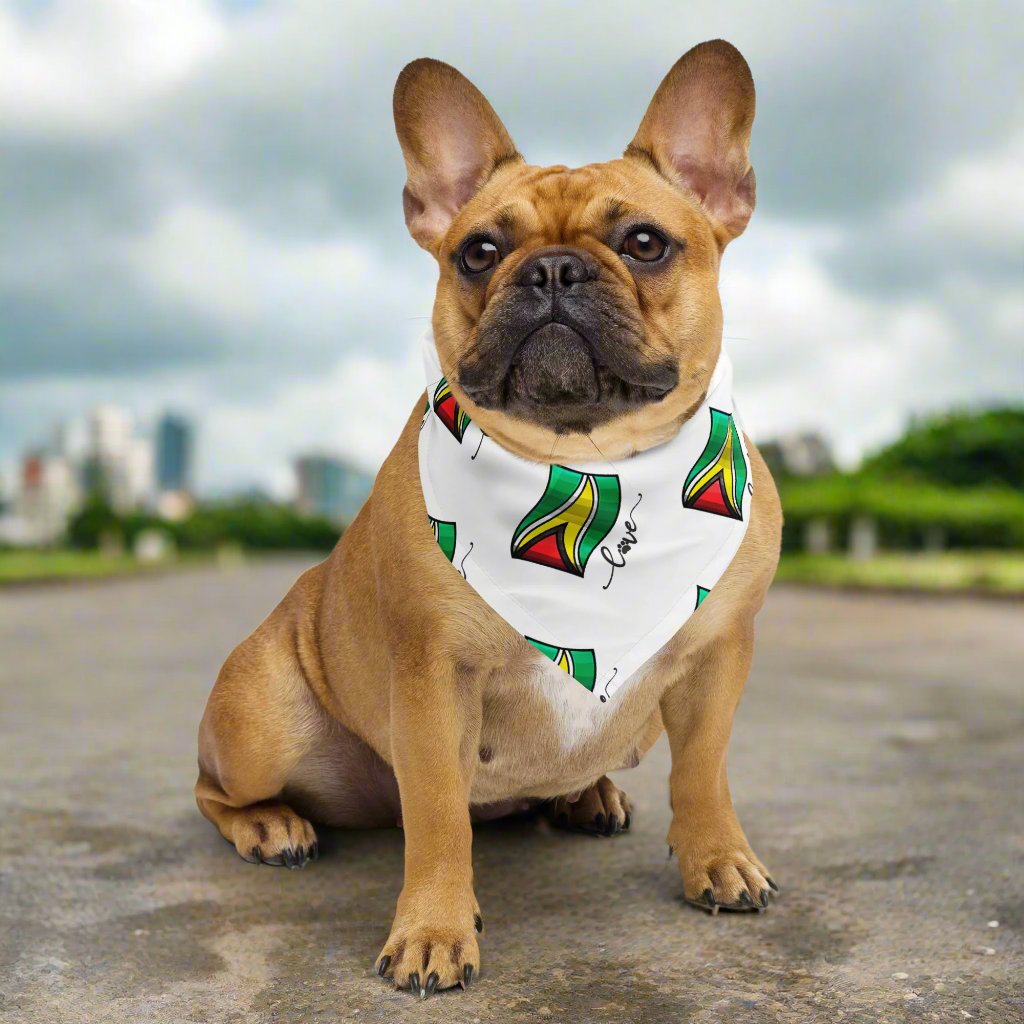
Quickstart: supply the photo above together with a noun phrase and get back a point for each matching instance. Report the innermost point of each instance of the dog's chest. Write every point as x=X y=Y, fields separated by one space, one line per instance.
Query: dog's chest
x=543 y=733
x=573 y=714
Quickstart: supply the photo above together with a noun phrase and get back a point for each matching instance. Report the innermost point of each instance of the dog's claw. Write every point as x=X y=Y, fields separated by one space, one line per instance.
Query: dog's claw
x=745 y=899
x=382 y=966
x=314 y=852
x=257 y=855
x=764 y=899
x=705 y=901
x=625 y=824
x=467 y=975
x=613 y=825
x=478 y=922
x=599 y=822
x=414 y=983
x=772 y=884
x=432 y=983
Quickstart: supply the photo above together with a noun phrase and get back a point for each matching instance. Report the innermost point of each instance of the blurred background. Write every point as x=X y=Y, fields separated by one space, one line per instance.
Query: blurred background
x=210 y=308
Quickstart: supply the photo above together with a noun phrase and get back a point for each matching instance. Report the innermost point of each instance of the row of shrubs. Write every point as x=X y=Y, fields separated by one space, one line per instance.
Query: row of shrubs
x=256 y=526
x=908 y=514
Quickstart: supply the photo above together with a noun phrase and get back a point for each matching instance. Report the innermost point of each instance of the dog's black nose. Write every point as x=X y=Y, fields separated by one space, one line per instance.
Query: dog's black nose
x=554 y=268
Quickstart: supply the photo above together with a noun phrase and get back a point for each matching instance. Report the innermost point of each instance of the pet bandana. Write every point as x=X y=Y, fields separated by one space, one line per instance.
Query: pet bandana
x=598 y=564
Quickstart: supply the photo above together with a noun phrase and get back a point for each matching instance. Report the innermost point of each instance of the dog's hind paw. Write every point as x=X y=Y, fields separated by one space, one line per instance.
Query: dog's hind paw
x=601 y=810
x=272 y=833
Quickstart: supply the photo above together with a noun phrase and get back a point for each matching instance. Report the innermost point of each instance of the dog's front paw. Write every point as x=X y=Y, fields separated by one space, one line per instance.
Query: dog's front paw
x=432 y=945
x=721 y=874
x=602 y=809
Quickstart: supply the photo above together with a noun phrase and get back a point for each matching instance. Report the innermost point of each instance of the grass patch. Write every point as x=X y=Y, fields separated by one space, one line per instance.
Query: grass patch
x=29 y=566
x=997 y=572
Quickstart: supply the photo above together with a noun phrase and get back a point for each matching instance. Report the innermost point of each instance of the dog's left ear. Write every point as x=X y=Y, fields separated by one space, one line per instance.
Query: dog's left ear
x=696 y=132
x=452 y=141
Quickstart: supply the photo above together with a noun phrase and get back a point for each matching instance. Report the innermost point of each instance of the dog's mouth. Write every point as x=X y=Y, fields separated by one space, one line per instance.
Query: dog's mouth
x=556 y=376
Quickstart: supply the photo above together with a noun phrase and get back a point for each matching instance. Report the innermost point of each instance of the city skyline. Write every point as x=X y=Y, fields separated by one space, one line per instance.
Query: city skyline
x=148 y=468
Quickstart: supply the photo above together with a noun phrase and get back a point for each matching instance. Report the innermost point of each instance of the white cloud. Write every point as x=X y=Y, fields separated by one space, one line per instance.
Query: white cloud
x=213 y=262
x=811 y=355
x=356 y=410
x=92 y=64
x=978 y=196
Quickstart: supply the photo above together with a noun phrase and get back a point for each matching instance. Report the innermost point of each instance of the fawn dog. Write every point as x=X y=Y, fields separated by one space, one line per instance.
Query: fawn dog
x=577 y=310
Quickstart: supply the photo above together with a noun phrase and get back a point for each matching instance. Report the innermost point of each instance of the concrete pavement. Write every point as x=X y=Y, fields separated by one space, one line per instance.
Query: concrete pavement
x=876 y=765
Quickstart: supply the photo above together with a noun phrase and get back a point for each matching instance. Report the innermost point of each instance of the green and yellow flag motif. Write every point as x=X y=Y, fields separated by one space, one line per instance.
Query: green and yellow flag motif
x=444 y=534
x=719 y=477
x=575 y=513
x=449 y=412
x=580 y=663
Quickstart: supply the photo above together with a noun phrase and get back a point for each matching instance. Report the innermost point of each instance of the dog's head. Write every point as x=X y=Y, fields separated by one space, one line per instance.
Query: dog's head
x=579 y=308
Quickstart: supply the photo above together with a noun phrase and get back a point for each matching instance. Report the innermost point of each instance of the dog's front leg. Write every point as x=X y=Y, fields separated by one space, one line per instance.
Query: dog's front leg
x=716 y=863
x=435 y=728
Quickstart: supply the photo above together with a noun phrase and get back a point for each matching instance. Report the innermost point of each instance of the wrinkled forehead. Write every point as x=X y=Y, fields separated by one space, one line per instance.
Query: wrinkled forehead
x=563 y=205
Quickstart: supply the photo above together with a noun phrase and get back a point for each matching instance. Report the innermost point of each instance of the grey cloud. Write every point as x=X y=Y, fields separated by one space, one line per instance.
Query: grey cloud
x=856 y=108
x=83 y=336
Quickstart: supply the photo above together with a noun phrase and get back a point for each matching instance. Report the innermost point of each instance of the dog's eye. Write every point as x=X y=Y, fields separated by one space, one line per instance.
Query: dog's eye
x=644 y=245
x=478 y=255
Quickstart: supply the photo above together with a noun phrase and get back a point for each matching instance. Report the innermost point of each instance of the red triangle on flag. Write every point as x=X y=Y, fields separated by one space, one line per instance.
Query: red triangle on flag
x=712 y=499
x=446 y=409
x=546 y=551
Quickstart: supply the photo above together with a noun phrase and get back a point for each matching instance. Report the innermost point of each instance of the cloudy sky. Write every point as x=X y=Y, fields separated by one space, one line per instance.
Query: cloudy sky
x=200 y=206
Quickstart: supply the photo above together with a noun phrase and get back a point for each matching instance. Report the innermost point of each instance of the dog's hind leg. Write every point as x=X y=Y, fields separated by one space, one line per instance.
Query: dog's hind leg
x=260 y=722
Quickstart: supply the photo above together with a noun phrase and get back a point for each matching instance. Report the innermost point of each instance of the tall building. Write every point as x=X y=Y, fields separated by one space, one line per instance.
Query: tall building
x=330 y=487
x=48 y=494
x=806 y=454
x=110 y=432
x=174 y=448
x=117 y=463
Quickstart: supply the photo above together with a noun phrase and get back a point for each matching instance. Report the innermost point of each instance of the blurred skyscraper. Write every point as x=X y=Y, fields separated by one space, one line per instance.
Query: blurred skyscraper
x=174 y=448
x=806 y=454
x=330 y=487
x=118 y=464
x=48 y=494
x=174 y=454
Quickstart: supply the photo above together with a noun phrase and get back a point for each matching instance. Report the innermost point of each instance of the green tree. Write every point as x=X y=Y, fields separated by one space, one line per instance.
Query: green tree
x=959 y=449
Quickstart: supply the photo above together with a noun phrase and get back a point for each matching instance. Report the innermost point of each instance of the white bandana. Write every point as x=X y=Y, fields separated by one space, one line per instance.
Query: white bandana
x=597 y=564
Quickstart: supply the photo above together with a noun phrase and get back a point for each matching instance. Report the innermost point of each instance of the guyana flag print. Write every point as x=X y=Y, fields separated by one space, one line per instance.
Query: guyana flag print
x=448 y=410
x=719 y=477
x=573 y=515
x=444 y=534
x=580 y=663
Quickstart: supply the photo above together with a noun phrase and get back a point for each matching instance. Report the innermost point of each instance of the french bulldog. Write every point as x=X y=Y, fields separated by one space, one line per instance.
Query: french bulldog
x=576 y=309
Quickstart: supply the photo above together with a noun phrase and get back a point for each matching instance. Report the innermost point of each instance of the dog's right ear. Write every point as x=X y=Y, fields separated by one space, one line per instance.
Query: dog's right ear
x=452 y=141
